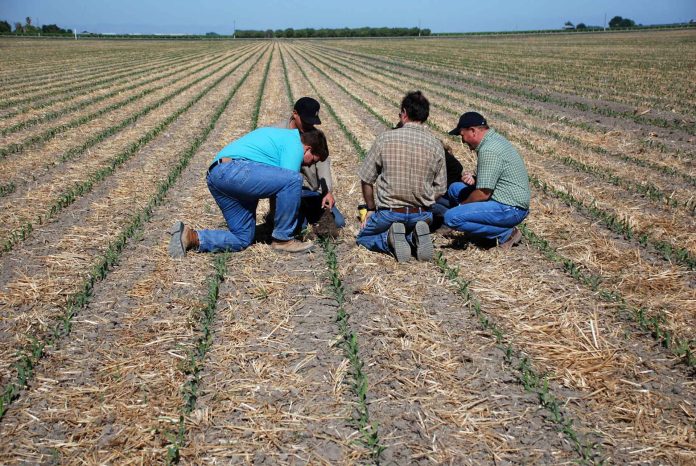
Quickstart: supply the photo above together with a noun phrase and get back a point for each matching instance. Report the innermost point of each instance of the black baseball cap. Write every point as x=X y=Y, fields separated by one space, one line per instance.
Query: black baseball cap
x=468 y=120
x=308 y=110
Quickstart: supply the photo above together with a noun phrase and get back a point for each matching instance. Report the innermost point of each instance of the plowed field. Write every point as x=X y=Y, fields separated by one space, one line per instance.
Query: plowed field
x=577 y=346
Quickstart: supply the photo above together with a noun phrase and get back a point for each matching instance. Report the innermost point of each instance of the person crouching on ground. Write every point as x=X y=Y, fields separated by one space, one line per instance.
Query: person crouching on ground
x=491 y=204
x=407 y=167
x=318 y=205
x=264 y=163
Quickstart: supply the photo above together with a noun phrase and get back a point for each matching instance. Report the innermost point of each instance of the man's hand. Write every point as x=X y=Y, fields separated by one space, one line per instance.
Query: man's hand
x=328 y=201
x=367 y=216
x=468 y=178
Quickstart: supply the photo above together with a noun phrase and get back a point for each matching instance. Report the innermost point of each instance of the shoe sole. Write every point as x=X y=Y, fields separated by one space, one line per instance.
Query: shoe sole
x=514 y=239
x=306 y=248
x=176 y=247
x=424 y=243
x=402 y=250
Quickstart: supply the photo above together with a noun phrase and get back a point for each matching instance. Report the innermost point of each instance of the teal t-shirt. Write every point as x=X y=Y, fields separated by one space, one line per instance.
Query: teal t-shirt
x=272 y=146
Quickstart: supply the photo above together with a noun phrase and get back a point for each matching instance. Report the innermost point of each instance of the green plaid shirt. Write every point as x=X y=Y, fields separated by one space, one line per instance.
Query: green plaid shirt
x=501 y=169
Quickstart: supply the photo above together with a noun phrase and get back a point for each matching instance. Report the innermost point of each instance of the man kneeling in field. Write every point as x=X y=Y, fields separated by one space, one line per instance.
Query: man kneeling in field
x=407 y=167
x=492 y=203
x=317 y=205
x=262 y=164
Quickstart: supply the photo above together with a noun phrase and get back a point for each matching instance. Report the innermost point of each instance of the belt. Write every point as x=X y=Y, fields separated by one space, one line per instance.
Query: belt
x=406 y=210
x=218 y=162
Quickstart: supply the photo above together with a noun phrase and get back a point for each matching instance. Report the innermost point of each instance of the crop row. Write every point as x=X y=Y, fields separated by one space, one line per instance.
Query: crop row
x=91 y=101
x=680 y=254
x=30 y=355
x=631 y=81
x=487 y=93
x=47 y=134
x=533 y=333
x=680 y=345
x=69 y=60
x=196 y=358
x=77 y=87
x=92 y=140
x=528 y=377
x=118 y=72
x=539 y=96
x=69 y=196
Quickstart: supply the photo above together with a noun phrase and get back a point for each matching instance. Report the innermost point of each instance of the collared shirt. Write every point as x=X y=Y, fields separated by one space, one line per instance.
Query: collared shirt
x=271 y=146
x=501 y=169
x=407 y=166
x=317 y=177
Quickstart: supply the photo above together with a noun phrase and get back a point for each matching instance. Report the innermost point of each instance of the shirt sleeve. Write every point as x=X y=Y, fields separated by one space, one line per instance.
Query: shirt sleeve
x=324 y=175
x=372 y=165
x=440 y=180
x=488 y=170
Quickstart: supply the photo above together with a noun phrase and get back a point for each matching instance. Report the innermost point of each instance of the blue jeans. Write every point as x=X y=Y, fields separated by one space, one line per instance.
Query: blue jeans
x=488 y=219
x=237 y=187
x=374 y=235
x=311 y=209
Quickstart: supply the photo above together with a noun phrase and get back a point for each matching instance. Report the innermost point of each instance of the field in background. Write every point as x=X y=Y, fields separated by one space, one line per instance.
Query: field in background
x=577 y=346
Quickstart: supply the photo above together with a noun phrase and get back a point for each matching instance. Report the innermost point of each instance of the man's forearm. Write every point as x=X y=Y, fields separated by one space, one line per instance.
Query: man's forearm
x=368 y=193
x=477 y=195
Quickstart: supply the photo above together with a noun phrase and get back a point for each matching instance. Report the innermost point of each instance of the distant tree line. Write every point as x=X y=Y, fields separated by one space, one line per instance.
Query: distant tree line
x=29 y=28
x=615 y=23
x=325 y=32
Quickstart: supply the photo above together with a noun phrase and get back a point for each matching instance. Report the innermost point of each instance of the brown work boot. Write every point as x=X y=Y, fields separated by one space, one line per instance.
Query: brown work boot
x=326 y=226
x=292 y=245
x=183 y=239
x=514 y=238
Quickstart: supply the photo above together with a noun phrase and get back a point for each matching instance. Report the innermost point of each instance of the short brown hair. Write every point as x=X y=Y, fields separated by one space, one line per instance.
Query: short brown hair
x=316 y=139
x=416 y=106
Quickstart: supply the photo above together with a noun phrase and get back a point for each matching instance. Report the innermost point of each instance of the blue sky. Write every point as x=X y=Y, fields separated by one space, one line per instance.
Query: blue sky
x=201 y=16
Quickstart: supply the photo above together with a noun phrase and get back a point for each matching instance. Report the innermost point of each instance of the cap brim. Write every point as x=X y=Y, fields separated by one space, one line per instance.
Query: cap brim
x=455 y=131
x=312 y=120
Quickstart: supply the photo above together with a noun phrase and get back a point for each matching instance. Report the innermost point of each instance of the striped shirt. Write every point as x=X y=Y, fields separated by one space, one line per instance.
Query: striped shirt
x=501 y=169
x=407 y=167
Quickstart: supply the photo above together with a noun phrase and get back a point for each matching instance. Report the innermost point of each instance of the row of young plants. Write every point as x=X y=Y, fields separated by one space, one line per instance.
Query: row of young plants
x=555 y=75
x=193 y=365
x=74 y=88
x=162 y=74
x=195 y=361
x=647 y=189
x=79 y=189
x=611 y=220
x=50 y=133
x=523 y=365
x=531 y=94
x=530 y=379
x=655 y=323
x=88 y=82
x=416 y=74
x=369 y=430
x=23 y=232
x=30 y=356
x=65 y=66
